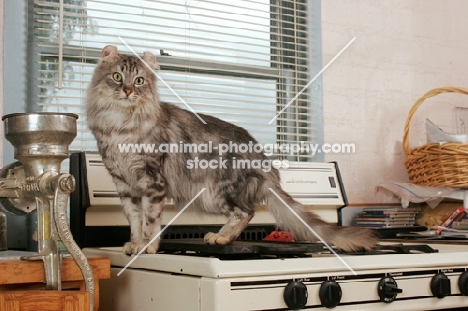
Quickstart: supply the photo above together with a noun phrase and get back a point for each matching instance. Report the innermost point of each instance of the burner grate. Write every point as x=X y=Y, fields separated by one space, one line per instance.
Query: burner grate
x=396 y=249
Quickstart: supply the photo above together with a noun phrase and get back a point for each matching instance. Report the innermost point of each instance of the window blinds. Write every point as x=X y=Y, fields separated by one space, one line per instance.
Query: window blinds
x=242 y=61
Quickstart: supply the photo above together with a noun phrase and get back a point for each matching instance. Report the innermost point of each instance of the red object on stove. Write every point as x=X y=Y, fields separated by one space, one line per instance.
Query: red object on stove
x=448 y=222
x=280 y=236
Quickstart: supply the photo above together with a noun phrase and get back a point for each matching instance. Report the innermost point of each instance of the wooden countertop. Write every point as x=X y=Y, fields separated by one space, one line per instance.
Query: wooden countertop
x=22 y=283
x=24 y=271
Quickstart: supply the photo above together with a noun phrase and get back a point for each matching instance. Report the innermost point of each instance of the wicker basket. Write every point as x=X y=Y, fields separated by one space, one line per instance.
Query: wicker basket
x=436 y=164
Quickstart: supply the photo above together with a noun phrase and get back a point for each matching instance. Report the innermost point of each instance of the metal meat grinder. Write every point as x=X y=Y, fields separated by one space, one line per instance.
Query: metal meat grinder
x=34 y=184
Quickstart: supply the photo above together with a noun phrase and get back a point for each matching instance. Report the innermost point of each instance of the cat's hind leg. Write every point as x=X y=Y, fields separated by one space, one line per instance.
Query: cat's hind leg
x=238 y=220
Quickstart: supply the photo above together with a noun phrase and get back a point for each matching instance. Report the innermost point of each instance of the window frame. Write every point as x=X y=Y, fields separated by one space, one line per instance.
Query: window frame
x=227 y=69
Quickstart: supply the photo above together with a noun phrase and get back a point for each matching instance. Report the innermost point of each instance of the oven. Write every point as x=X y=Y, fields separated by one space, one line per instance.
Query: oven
x=254 y=274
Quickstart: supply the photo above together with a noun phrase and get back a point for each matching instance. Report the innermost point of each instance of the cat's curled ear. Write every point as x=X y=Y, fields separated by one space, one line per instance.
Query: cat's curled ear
x=150 y=59
x=109 y=50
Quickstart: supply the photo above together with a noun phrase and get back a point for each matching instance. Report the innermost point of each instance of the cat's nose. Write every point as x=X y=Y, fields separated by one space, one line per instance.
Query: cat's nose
x=127 y=92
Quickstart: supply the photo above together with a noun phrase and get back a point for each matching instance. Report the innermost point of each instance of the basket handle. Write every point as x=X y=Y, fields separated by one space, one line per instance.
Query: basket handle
x=431 y=93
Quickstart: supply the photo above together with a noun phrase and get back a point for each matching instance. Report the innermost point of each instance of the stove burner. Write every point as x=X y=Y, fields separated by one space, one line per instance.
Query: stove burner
x=269 y=249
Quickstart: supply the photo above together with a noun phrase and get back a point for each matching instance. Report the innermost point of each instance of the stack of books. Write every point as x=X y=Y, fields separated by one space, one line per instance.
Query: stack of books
x=387 y=217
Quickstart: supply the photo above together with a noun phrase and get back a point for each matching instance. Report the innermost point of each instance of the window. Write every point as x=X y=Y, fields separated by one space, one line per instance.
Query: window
x=242 y=61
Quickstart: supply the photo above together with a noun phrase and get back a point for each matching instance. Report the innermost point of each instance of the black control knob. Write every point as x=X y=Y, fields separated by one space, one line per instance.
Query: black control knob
x=463 y=283
x=388 y=289
x=330 y=294
x=440 y=285
x=295 y=295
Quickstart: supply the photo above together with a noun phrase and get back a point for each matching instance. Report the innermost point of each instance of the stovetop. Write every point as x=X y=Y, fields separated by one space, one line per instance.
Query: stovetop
x=191 y=263
x=270 y=249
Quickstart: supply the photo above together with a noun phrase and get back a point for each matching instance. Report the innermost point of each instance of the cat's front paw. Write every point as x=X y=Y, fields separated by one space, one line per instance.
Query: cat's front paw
x=135 y=248
x=216 y=239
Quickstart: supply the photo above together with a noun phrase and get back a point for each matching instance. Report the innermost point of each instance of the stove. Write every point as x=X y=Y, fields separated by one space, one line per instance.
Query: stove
x=415 y=281
x=253 y=274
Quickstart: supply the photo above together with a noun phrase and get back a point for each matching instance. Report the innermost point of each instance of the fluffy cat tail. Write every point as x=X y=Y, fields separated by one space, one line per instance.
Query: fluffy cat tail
x=346 y=238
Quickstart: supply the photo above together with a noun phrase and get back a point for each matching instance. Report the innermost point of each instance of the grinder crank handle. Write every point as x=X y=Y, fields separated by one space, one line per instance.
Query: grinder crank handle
x=65 y=185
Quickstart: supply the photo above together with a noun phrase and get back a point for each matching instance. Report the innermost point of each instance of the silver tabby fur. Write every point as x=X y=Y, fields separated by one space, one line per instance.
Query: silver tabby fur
x=128 y=111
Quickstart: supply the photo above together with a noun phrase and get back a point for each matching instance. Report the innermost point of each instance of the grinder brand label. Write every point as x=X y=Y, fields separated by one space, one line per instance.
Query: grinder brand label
x=30 y=187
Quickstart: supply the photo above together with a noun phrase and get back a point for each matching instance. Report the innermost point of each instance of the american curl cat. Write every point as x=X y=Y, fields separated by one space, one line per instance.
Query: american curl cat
x=123 y=107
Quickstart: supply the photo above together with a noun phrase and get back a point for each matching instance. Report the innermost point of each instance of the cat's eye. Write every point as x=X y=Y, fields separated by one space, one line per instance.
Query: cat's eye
x=139 y=81
x=117 y=77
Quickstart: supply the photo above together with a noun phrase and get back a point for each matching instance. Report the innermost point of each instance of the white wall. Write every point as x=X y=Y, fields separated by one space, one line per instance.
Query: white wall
x=402 y=50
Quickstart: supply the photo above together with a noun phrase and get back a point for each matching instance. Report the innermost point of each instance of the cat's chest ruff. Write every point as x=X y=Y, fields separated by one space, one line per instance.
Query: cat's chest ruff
x=124 y=162
x=126 y=131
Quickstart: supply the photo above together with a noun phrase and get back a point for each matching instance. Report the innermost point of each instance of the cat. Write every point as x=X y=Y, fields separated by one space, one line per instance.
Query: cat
x=123 y=106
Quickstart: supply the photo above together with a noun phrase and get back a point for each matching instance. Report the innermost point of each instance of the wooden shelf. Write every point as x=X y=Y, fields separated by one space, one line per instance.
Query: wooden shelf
x=21 y=284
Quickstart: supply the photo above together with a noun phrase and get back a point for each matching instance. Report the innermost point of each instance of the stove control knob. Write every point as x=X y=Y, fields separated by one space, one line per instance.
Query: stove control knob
x=388 y=289
x=463 y=283
x=295 y=295
x=440 y=285
x=330 y=294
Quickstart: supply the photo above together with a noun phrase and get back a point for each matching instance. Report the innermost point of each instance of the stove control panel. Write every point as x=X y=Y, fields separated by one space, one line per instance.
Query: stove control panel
x=426 y=288
x=318 y=186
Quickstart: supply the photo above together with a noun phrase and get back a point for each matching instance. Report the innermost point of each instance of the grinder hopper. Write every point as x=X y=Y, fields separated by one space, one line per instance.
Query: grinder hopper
x=34 y=183
x=40 y=142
